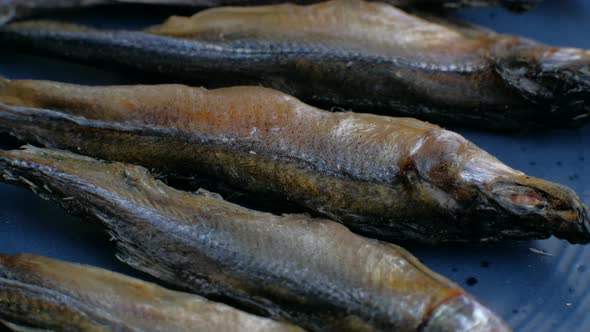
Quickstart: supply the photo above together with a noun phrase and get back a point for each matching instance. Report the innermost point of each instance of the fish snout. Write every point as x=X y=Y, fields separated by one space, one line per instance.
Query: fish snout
x=544 y=207
x=461 y=314
x=556 y=80
x=566 y=73
x=575 y=225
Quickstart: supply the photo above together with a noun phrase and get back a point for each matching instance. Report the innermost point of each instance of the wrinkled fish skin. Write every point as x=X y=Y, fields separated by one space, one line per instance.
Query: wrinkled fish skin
x=13 y=9
x=368 y=57
x=313 y=272
x=41 y=293
x=392 y=178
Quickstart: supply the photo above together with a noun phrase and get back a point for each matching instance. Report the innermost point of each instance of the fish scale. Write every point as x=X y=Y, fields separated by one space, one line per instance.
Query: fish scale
x=378 y=61
x=258 y=61
x=403 y=179
x=47 y=294
x=313 y=272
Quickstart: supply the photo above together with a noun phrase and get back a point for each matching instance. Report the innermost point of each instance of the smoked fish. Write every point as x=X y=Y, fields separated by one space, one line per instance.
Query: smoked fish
x=312 y=272
x=14 y=9
x=42 y=294
x=351 y=54
x=392 y=178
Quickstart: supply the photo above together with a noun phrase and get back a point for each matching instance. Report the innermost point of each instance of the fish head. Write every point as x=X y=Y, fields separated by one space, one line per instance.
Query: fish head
x=463 y=313
x=555 y=79
x=522 y=204
x=494 y=200
x=490 y=198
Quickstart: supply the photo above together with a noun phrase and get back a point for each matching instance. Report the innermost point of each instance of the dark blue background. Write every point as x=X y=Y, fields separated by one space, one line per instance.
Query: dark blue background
x=532 y=292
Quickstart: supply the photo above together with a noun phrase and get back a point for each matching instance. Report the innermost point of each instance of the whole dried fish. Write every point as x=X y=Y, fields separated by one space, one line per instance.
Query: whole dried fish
x=348 y=53
x=42 y=294
x=393 y=178
x=12 y=9
x=313 y=272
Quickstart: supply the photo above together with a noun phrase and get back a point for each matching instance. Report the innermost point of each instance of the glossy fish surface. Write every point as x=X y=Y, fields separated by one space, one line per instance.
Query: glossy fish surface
x=392 y=178
x=13 y=9
x=363 y=56
x=42 y=294
x=313 y=272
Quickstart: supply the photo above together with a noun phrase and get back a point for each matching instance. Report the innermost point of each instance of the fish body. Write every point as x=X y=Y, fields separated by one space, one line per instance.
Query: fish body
x=393 y=178
x=14 y=9
x=364 y=56
x=42 y=294
x=313 y=272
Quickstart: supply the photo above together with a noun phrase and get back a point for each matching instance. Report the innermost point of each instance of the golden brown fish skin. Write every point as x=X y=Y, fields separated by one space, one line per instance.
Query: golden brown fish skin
x=392 y=178
x=484 y=70
x=364 y=56
x=43 y=293
x=14 y=9
x=314 y=272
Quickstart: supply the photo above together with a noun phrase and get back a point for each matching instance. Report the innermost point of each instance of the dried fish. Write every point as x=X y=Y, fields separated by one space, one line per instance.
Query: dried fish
x=392 y=178
x=41 y=294
x=313 y=272
x=12 y=9
x=364 y=56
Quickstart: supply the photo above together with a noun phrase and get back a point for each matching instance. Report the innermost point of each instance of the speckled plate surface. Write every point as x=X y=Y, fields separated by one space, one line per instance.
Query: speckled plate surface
x=535 y=286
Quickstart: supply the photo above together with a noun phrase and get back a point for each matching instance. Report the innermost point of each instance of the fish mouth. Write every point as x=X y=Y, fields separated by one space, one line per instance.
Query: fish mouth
x=567 y=74
x=581 y=235
x=545 y=208
x=462 y=313
x=556 y=80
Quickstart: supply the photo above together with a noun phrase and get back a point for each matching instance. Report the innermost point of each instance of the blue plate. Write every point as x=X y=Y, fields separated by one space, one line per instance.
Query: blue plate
x=531 y=291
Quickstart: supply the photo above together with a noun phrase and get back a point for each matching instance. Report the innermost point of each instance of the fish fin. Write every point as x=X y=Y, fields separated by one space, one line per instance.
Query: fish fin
x=129 y=254
x=22 y=328
x=137 y=259
x=4 y=81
